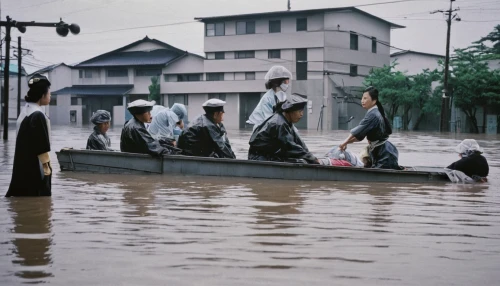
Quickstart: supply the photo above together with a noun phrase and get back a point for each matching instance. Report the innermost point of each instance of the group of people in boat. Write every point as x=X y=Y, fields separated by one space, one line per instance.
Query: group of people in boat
x=158 y=130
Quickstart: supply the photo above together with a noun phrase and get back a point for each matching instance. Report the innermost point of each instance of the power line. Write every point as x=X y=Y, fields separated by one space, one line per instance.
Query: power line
x=141 y=27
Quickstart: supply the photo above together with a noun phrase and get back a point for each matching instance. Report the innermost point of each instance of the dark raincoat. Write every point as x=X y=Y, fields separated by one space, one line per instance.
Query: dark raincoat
x=205 y=139
x=383 y=153
x=136 y=139
x=33 y=139
x=276 y=140
x=99 y=141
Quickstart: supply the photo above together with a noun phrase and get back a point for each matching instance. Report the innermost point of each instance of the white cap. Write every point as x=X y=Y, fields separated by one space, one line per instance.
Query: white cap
x=141 y=103
x=214 y=102
x=278 y=72
x=468 y=145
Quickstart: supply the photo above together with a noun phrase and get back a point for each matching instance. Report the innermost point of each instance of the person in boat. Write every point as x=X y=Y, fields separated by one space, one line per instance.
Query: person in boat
x=276 y=139
x=278 y=81
x=168 y=123
x=99 y=140
x=207 y=137
x=472 y=163
x=32 y=171
x=376 y=128
x=135 y=138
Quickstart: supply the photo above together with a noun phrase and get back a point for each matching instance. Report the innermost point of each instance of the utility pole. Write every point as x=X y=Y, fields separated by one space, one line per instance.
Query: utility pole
x=289 y=6
x=445 y=102
x=19 y=69
x=62 y=30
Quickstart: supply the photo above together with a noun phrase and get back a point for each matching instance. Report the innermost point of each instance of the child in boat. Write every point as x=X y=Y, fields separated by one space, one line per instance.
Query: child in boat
x=98 y=140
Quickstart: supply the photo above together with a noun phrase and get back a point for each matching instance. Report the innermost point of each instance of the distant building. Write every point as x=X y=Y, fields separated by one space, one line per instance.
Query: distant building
x=413 y=62
x=329 y=52
x=111 y=80
x=13 y=88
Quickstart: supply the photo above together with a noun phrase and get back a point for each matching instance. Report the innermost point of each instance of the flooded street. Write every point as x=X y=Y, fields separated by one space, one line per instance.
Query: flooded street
x=188 y=230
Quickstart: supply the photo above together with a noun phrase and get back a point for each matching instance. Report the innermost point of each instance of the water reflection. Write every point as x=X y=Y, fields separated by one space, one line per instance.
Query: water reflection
x=32 y=237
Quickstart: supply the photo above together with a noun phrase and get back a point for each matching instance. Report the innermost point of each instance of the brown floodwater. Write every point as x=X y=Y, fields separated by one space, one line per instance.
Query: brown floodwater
x=101 y=229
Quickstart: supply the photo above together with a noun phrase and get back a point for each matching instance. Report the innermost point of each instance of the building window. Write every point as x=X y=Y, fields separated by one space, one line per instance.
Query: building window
x=85 y=74
x=215 y=76
x=177 y=98
x=354 y=41
x=53 y=100
x=244 y=55
x=249 y=76
x=80 y=73
x=74 y=101
x=220 y=55
x=215 y=29
x=353 y=70
x=189 y=77
x=148 y=72
x=118 y=73
x=301 y=66
x=374 y=45
x=302 y=24
x=274 y=54
x=243 y=28
x=275 y=26
x=221 y=96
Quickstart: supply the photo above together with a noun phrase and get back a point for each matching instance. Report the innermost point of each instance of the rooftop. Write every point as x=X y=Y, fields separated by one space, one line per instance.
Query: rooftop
x=415 y=52
x=294 y=12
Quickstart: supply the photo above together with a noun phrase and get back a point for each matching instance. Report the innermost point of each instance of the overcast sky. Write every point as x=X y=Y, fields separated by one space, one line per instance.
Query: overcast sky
x=99 y=20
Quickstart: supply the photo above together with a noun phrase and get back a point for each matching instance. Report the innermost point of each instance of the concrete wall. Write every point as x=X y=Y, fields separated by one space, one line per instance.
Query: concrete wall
x=413 y=64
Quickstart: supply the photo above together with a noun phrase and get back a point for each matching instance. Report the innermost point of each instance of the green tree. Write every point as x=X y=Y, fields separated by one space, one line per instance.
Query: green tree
x=489 y=52
x=392 y=86
x=154 y=89
x=473 y=84
x=401 y=93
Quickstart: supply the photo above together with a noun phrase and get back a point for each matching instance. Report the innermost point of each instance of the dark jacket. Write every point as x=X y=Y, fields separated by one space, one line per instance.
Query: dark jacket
x=205 y=139
x=99 y=141
x=472 y=165
x=136 y=139
x=372 y=126
x=276 y=140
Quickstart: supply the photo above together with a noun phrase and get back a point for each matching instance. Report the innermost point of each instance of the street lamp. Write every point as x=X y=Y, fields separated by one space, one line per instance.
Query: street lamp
x=62 y=30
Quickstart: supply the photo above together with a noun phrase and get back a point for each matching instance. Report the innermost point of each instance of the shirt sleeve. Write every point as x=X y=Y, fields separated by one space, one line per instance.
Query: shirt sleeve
x=150 y=145
x=41 y=140
x=366 y=125
x=93 y=143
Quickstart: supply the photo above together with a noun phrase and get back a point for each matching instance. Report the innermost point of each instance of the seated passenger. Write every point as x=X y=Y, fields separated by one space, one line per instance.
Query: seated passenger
x=275 y=139
x=472 y=163
x=207 y=136
x=98 y=140
x=135 y=138
x=168 y=123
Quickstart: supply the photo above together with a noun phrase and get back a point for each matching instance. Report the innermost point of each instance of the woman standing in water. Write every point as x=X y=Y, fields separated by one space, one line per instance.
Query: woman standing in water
x=32 y=173
x=376 y=128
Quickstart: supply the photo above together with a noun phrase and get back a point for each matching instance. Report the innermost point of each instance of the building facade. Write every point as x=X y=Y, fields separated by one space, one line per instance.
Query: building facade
x=328 y=51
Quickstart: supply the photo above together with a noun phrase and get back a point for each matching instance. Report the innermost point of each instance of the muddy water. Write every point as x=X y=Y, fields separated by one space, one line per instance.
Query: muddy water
x=188 y=230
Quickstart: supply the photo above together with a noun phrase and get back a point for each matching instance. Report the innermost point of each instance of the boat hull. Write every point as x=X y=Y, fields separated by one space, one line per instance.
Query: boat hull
x=127 y=163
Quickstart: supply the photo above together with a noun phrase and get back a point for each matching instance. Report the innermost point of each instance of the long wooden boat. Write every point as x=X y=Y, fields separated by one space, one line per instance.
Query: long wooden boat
x=128 y=163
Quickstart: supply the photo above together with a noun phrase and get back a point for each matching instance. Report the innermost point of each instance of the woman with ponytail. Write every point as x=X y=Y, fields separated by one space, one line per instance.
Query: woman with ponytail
x=376 y=128
x=32 y=172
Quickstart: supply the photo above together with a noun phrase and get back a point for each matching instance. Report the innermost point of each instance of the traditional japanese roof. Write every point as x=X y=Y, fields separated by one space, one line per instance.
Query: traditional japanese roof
x=160 y=56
